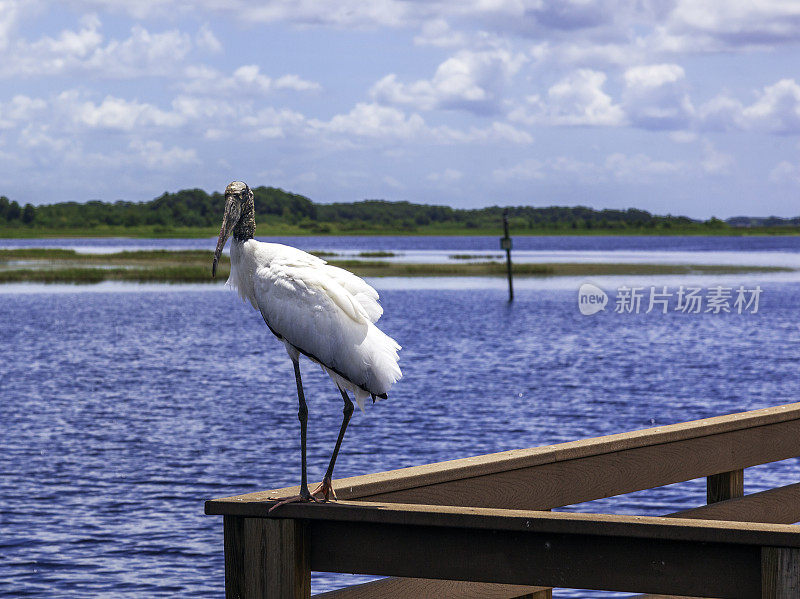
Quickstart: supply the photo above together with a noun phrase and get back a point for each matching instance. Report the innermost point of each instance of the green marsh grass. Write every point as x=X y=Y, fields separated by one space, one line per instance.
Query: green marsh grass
x=194 y=266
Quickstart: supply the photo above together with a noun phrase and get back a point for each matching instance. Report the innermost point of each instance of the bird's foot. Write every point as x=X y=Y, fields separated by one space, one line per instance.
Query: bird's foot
x=326 y=489
x=302 y=498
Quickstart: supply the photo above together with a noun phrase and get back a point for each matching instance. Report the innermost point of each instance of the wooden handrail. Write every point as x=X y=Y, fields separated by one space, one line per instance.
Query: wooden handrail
x=777 y=506
x=598 y=525
x=738 y=546
x=578 y=471
x=611 y=552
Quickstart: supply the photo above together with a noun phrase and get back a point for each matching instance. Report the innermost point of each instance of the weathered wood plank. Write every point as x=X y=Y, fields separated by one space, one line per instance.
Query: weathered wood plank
x=533 y=558
x=780 y=573
x=584 y=479
x=775 y=506
x=266 y=559
x=724 y=446
x=725 y=485
x=605 y=525
x=419 y=588
x=356 y=537
x=568 y=473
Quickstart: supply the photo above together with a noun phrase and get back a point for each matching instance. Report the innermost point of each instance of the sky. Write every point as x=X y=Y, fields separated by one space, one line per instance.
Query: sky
x=677 y=107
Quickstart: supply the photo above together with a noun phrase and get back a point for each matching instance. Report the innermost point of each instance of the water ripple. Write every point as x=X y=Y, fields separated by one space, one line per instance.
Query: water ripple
x=123 y=412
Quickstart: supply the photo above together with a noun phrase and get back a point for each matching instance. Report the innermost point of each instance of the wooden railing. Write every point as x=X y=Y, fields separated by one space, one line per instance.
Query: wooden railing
x=478 y=527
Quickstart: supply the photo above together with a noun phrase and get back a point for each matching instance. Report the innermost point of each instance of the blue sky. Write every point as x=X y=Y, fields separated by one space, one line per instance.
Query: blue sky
x=682 y=107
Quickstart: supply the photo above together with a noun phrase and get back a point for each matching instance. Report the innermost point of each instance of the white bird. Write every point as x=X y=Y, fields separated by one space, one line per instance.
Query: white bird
x=320 y=311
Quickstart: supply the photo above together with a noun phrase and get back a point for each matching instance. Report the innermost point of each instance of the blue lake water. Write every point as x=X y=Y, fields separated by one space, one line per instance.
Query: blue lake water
x=688 y=243
x=124 y=407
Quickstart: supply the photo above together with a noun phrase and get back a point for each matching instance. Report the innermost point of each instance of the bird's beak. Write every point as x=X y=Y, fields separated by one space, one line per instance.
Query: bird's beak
x=228 y=222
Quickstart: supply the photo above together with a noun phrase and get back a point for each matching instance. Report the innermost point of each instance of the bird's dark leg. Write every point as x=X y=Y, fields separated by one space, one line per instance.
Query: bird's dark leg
x=302 y=415
x=326 y=488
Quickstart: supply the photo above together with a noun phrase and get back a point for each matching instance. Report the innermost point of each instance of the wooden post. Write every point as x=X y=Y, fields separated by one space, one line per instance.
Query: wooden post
x=780 y=573
x=505 y=243
x=725 y=485
x=266 y=559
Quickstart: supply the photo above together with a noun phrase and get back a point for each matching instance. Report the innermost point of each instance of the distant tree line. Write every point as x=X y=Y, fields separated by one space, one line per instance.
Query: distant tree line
x=765 y=221
x=10 y=212
x=197 y=208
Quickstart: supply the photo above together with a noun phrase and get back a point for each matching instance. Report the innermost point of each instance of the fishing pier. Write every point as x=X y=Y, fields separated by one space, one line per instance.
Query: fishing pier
x=481 y=526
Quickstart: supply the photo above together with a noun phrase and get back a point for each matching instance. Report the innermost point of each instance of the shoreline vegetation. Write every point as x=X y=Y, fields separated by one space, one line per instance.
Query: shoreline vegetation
x=194 y=266
x=192 y=213
x=267 y=230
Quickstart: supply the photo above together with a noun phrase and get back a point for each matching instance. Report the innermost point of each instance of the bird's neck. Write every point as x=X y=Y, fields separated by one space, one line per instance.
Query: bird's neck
x=246 y=226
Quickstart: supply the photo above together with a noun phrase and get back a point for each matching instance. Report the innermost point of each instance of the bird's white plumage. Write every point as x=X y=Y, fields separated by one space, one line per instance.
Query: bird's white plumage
x=323 y=311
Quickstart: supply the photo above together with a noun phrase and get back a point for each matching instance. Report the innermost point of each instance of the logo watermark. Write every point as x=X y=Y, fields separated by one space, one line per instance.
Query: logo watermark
x=685 y=299
x=591 y=299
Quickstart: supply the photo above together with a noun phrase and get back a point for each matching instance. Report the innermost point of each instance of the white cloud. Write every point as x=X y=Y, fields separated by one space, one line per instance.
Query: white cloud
x=721 y=113
x=655 y=97
x=558 y=167
x=10 y=12
x=447 y=176
x=655 y=75
x=622 y=167
x=683 y=137
x=496 y=132
x=574 y=167
x=776 y=110
x=392 y=182
x=341 y=13
x=715 y=162
x=296 y=83
x=785 y=172
x=154 y=155
x=725 y=23
x=586 y=53
x=524 y=17
x=37 y=137
x=19 y=110
x=143 y=53
x=246 y=77
x=50 y=55
x=85 y=51
x=245 y=80
x=118 y=114
x=385 y=124
x=331 y=13
x=578 y=99
x=527 y=170
x=739 y=22
x=438 y=33
x=375 y=121
x=469 y=80
x=209 y=110
x=639 y=167
x=271 y=123
x=206 y=40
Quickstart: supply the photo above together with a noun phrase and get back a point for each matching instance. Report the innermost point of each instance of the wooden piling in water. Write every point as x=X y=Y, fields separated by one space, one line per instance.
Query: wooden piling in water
x=505 y=243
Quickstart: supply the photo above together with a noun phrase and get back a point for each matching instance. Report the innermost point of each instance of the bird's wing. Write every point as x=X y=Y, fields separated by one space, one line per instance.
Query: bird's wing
x=314 y=308
x=359 y=289
x=364 y=294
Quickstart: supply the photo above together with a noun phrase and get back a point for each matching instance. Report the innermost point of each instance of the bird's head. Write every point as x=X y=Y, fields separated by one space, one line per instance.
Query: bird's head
x=238 y=207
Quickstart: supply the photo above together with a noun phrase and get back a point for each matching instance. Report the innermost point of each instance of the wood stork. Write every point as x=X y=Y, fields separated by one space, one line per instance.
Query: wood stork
x=320 y=311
